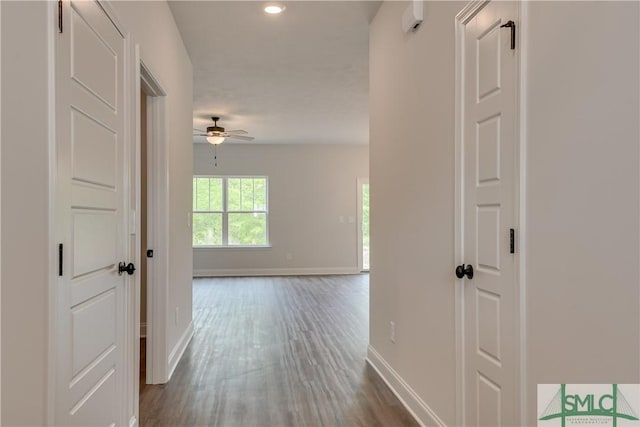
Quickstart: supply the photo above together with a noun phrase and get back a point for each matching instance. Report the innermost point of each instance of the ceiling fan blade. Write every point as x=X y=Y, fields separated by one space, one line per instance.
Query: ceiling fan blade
x=240 y=137
x=199 y=130
x=240 y=131
x=200 y=134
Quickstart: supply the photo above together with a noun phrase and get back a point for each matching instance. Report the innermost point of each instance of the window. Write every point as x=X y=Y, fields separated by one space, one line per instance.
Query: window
x=230 y=211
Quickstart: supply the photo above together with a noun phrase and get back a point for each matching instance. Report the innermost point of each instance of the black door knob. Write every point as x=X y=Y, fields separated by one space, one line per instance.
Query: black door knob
x=463 y=270
x=122 y=267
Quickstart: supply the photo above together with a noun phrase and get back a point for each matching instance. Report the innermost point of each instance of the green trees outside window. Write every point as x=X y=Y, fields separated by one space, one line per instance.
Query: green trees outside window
x=365 y=227
x=230 y=211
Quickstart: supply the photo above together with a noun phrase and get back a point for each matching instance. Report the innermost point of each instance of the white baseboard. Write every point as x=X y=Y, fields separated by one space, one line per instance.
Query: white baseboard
x=178 y=350
x=423 y=414
x=143 y=330
x=226 y=272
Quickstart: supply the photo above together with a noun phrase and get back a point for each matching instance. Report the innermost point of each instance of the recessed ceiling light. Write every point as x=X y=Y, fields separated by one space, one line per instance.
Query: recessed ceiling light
x=274 y=8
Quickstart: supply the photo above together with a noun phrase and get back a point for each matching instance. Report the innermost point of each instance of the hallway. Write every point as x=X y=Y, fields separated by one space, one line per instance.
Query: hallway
x=276 y=351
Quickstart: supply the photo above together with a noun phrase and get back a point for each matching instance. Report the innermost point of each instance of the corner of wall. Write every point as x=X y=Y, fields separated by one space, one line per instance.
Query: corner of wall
x=417 y=407
x=178 y=350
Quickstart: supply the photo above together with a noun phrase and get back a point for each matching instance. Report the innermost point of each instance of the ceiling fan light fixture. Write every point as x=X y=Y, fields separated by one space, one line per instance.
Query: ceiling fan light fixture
x=216 y=135
x=274 y=8
x=215 y=140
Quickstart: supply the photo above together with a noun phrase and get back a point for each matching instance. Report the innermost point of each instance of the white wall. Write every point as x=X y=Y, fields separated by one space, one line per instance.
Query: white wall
x=582 y=286
x=25 y=177
x=0 y=210
x=152 y=26
x=310 y=188
x=412 y=183
x=582 y=197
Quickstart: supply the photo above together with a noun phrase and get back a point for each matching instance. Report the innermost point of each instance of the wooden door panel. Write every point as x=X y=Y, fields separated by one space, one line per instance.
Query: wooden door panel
x=487 y=238
x=92 y=335
x=488 y=321
x=489 y=199
x=89 y=285
x=85 y=102
x=488 y=63
x=91 y=198
x=88 y=195
x=93 y=147
x=489 y=401
x=90 y=409
x=94 y=39
x=488 y=151
x=95 y=241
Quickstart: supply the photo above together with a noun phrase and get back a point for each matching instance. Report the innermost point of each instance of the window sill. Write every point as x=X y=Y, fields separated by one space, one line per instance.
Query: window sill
x=232 y=247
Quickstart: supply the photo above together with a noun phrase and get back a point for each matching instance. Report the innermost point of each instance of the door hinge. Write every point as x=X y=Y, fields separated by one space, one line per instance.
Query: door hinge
x=512 y=241
x=60 y=16
x=512 y=26
x=60 y=259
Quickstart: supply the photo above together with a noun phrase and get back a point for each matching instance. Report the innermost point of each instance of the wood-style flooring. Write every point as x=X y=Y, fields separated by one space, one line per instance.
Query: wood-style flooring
x=143 y=364
x=276 y=352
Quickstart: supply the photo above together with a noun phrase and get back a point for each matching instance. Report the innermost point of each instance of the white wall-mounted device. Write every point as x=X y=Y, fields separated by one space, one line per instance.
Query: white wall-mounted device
x=412 y=17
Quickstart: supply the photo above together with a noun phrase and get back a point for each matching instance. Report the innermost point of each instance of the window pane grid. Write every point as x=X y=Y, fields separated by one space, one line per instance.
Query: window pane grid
x=230 y=211
x=207 y=195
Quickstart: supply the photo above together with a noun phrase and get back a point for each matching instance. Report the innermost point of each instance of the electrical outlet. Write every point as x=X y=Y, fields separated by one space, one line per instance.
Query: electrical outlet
x=177 y=315
x=392 y=331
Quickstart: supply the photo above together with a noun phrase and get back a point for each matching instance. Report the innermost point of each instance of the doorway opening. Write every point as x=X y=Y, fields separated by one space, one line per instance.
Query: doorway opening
x=151 y=217
x=143 y=238
x=364 y=244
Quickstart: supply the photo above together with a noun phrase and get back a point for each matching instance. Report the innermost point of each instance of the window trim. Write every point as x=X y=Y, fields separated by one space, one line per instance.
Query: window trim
x=225 y=213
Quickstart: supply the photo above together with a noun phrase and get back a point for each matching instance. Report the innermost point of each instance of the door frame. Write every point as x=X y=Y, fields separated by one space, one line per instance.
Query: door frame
x=360 y=238
x=157 y=222
x=140 y=77
x=461 y=19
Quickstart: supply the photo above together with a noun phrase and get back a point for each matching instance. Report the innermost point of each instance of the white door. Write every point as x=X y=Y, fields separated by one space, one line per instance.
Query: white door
x=90 y=209
x=489 y=140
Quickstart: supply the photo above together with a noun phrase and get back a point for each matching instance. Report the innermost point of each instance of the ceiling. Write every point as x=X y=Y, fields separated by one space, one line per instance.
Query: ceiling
x=294 y=78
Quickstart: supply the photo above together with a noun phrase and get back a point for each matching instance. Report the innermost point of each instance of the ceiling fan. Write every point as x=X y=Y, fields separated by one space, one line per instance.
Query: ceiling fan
x=216 y=135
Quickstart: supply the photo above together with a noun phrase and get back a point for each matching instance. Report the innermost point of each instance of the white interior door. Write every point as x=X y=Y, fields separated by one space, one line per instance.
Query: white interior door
x=489 y=141
x=90 y=318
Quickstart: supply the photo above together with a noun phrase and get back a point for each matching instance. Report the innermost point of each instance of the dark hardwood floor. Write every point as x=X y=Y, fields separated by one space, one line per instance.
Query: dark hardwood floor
x=143 y=364
x=275 y=352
